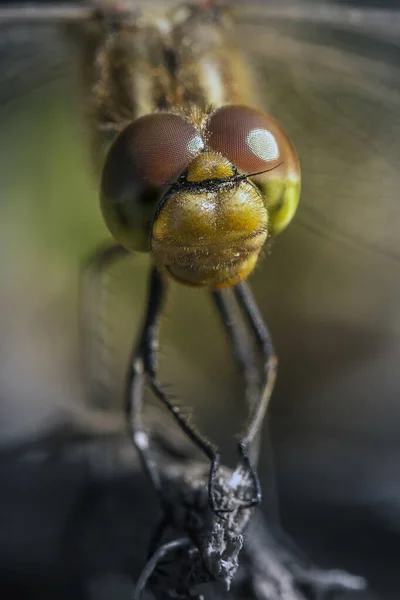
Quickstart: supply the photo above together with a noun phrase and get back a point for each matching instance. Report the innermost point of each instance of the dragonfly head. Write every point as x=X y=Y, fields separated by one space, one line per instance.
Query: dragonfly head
x=202 y=194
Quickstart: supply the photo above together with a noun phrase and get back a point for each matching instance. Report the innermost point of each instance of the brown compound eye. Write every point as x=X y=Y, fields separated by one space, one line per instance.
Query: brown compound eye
x=145 y=157
x=252 y=140
x=256 y=144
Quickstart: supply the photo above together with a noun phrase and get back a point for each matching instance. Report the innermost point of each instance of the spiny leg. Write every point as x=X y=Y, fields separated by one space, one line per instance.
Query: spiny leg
x=242 y=352
x=91 y=301
x=256 y=323
x=257 y=397
x=240 y=346
x=144 y=356
x=133 y=409
x=134 y=404
x=257 y=411
x=144 y=363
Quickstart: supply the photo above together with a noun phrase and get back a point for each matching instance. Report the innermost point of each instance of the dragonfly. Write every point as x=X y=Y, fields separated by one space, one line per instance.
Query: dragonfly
x=205 y=216
x=200 y=180
x=157 y=283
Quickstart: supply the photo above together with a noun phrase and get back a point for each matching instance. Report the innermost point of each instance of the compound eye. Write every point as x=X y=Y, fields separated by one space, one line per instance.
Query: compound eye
x=153 y=150
x=145 y=157
x=252 y=140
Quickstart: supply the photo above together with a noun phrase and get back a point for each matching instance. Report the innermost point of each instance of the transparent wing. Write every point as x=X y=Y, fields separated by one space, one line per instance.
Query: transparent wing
x=32 y=51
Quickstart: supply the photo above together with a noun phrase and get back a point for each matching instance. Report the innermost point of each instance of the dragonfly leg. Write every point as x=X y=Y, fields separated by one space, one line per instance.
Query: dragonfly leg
x=153 y=562
x=257 y=397
x=251 y=435
x=92 y=326
x=241 y=347
x=144 y=364
x=134 y=417
x=243 y=353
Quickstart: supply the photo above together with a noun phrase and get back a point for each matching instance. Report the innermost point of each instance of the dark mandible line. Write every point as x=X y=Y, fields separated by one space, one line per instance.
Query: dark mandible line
x=144 y=363
x=248 y=175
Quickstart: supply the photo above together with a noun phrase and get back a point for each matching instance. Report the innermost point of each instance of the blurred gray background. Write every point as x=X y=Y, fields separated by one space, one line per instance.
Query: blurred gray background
x=329 y=290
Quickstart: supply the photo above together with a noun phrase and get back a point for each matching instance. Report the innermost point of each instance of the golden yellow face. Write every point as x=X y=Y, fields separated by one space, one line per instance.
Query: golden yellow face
x=210 y=227
x=202 y=201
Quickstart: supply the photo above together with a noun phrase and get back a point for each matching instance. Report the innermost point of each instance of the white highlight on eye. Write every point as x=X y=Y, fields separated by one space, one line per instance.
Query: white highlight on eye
x=263 y=144
x=195 y=145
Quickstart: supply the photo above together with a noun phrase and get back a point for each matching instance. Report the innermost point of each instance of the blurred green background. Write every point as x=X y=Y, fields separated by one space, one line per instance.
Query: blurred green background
x=328 y=287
